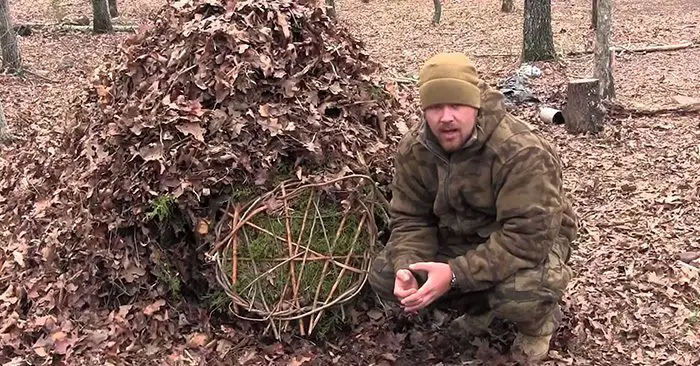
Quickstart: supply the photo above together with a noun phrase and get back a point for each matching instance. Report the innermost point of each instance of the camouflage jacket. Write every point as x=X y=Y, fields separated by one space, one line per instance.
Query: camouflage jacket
x=500 y=197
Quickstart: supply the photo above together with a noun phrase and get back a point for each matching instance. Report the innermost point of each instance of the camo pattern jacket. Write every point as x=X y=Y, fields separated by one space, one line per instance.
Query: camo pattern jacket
x=501 y=196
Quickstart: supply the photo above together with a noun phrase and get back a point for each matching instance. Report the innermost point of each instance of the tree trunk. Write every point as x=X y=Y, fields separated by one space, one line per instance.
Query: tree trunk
x=4 y=135
x=538 y=42
x=603 y=54
x=8 y=40
x=101 y=21
x=507 y=6
x=582 y=113
x=438 y=11
x=330 y=9
x=113 y=11
x=594 y=14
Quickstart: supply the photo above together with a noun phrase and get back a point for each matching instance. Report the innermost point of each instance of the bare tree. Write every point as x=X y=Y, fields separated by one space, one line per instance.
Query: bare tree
x=507 y=6
x=538 y=41
x=4 y=135
x=101 y=21
x=113 y=11
x=603 y=54
x=594 y=14
x=438 y=11
x=330 y=8
x=8 y=40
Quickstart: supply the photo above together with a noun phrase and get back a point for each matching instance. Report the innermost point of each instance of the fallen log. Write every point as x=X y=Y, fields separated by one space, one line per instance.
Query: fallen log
x=74 y=27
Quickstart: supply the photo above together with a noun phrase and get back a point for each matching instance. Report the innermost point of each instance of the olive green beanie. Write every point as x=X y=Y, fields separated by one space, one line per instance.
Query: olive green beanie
x=449 y=78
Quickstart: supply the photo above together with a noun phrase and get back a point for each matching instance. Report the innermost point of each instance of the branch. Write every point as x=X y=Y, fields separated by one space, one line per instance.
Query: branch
x=79 y=28
x=617 y=108
x=670 y=47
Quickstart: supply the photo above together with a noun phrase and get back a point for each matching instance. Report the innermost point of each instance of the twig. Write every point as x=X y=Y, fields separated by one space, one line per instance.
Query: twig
x=27 y=71
x=306 y=254
x=342 y=271
x=686 y=265
x=234 y=250
x=79 y=28
x=660 y=48
x=670 y=47
x=617 y=108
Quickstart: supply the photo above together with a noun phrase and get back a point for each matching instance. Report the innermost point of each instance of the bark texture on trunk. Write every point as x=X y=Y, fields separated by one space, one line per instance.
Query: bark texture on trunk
x=4 y=135
x=582 y=113
x=603 y=54
x=101 y=21
x=330 y=9
x=438 y=11
x=594 y=14
x=538 y=42
x=113 y=11
x=8 y=40
x=507 y=6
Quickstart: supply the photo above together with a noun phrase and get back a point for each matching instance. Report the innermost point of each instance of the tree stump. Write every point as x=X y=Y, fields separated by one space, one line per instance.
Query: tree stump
x=582 y=112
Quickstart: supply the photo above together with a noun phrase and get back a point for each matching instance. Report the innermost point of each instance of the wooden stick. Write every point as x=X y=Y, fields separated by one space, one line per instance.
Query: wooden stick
x=660 y=48
x=342 y=271
x=280 y=238
x=669 y=47
x=289 y=243
x=234 y=250
x=306 y=252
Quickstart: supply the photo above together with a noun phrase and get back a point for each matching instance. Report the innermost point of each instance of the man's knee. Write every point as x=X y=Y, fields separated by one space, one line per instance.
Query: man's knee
x=381 y=277
x=530 y=297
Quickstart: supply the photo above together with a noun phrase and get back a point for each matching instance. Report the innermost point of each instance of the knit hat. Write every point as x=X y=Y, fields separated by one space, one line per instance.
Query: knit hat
x=449 y=78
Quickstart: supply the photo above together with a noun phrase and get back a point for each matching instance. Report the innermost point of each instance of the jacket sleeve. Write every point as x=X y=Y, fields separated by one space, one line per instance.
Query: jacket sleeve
x=413 y=225
x=529 y=210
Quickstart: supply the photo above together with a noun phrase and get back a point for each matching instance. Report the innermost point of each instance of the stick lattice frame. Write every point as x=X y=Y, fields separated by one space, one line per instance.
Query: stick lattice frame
x=294 y=204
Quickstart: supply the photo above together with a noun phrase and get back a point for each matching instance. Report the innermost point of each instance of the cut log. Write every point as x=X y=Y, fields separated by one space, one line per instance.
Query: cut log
x=583 y=113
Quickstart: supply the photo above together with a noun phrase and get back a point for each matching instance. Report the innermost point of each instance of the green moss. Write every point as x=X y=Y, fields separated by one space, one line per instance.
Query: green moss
x=161 y=208
x=259 y=252
x=217 y=301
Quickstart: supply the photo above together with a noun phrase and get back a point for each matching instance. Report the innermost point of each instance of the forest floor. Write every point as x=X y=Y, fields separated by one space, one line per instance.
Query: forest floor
x=635 y=187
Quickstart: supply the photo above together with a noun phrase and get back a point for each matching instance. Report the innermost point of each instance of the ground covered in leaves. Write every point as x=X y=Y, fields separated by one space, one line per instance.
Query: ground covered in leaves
x=635 y=296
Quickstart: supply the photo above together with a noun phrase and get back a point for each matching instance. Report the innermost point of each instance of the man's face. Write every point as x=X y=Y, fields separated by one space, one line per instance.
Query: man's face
x=452 y=124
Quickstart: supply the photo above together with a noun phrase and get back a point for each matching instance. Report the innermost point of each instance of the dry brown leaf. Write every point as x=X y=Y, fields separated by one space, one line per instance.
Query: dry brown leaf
x=153 y=151
x=197 y=340
x=154 y=307
x=193 y=129
x=299 y=360
x=203 y=227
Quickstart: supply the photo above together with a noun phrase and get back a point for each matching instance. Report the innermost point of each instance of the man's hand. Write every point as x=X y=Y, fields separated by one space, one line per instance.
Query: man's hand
x=437 y=284
x=404 y=284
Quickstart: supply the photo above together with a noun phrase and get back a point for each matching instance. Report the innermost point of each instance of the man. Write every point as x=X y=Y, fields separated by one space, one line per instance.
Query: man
x=479 y=217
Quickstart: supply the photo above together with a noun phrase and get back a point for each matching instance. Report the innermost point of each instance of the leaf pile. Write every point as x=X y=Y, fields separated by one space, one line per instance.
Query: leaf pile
x=216 y=95
x=210 y=100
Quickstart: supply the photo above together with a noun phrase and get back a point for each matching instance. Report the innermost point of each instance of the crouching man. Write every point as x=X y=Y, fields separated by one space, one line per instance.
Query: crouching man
x=479 y=217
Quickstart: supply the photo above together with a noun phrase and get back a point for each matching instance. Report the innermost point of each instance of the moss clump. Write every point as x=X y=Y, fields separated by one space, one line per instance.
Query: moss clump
x=161 y=208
